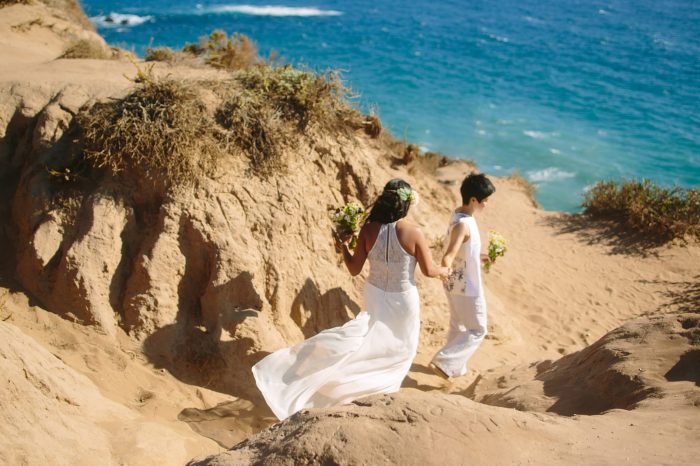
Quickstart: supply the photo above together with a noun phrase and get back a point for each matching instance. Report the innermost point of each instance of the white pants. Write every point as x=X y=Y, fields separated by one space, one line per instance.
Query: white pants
x=467 y=331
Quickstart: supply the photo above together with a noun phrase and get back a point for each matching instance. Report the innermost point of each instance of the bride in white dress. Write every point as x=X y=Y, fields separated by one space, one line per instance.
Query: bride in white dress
x=372 y=353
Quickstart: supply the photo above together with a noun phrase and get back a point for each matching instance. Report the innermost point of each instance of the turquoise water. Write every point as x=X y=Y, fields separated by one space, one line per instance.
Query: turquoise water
x=566 y=92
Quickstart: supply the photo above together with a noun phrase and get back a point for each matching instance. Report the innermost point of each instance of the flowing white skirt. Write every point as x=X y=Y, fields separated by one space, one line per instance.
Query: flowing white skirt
x=368 y=355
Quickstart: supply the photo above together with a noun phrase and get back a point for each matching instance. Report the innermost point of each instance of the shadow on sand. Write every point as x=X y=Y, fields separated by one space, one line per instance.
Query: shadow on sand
x=609 y=233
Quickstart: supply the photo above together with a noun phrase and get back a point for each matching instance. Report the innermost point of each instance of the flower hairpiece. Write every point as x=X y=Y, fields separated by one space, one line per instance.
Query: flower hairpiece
x=408 y=194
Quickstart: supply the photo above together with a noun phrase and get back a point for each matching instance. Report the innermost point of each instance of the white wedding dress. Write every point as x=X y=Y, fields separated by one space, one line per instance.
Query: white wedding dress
x=368 y=355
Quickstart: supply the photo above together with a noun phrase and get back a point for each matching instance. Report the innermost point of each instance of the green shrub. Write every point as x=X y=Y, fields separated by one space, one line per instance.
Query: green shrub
x=665 y=213
x=161 y=129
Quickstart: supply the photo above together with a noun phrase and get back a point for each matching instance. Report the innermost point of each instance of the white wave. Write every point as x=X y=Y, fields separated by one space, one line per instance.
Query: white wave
x=498 y=38
x=554 y=151
x=533 y=20
x=535 y=134
x=548 y=174
x=119 y=20
x=273 y=10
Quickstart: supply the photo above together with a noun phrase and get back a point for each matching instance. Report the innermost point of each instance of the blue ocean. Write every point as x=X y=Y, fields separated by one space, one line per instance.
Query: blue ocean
x=566 y=92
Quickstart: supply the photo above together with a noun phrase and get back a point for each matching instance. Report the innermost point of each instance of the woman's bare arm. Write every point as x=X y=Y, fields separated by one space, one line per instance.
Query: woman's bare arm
x=424 y=258
x=355 y=261
x=458 y=235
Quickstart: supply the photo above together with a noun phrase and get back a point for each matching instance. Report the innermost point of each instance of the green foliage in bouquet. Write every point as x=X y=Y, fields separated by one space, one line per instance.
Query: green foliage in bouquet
x=497 y=248
x=348 y=219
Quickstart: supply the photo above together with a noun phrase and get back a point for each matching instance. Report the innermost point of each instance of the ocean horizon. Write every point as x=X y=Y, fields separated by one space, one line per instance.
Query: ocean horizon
x=565 y=93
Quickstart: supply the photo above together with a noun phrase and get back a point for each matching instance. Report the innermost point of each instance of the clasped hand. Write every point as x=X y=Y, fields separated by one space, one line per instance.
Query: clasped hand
x=340 y=240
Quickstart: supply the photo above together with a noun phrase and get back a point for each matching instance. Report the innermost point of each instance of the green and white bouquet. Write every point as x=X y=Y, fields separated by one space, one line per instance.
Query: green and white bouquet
x=497 y=248
x=347 y=220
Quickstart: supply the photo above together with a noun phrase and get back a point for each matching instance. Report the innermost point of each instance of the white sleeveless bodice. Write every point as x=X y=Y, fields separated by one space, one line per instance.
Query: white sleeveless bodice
x=391 y=268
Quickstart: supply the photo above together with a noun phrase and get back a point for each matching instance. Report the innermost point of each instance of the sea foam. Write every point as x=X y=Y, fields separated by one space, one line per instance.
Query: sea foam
x=549 y=174
x=273 y=10
x=119 y=20
x=535 y=134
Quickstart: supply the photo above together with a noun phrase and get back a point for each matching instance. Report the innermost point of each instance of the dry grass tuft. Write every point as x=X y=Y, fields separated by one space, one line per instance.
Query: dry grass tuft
x=373 y=126
x=216 y=50
x=646 y=208
x=257 y=129
x=87 y=49
x=410 y=154
x=161 y=130
x=4 y=3
x=164 y=54
x=235 y=53
x=429 y=163
x=277 y=105
x=526 y=185
x=303 y=97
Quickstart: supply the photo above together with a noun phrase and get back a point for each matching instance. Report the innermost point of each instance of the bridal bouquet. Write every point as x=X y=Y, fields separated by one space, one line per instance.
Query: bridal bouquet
x=497 y=248
x=347 y=220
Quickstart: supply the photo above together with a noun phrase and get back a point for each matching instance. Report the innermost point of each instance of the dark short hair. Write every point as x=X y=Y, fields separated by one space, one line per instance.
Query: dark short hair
x=389 y=207
x=478 y=186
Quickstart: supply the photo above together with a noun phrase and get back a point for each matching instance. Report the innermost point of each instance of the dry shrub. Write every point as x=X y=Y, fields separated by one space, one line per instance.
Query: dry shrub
x=410 y=154
x=257 y=129
x=276 y=105
x=303 y=97
x=665 y=213
x=528 y=187
x=87 y=49
x=119 y=53
x=164 y=54
x=431 y=161
x=161 y=130
x=234 y=53
x=372 y=125
x=395 y=147
x=4 y=3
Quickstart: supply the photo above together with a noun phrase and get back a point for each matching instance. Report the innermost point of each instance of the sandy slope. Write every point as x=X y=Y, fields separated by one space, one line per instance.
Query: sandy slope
x=562 y=286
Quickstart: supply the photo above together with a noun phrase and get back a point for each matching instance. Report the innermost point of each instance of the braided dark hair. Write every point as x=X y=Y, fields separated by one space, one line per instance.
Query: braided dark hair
x=389 y=207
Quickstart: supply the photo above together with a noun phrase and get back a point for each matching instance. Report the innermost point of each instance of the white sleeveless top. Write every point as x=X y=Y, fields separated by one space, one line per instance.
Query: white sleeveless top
x=465 y=278
x=391 y=268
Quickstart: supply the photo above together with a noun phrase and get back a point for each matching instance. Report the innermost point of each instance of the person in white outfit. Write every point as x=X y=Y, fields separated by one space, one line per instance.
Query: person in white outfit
x=372 y=353
x=464 y=289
